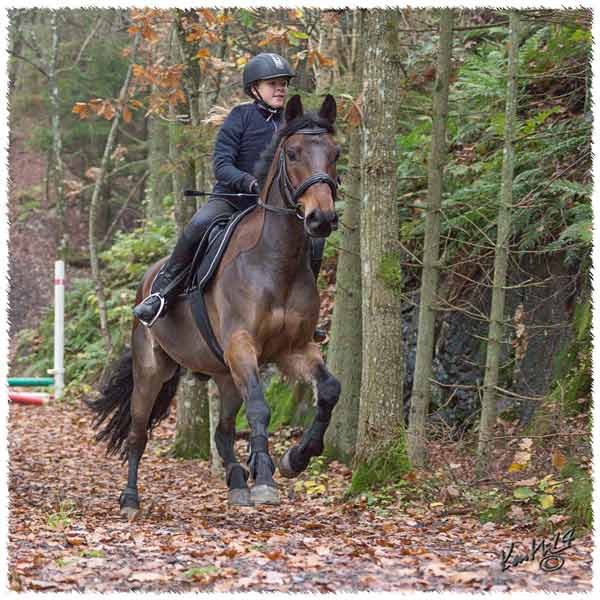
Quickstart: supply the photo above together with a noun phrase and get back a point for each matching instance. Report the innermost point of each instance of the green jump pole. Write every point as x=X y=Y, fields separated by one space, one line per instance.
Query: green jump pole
x=30 y=381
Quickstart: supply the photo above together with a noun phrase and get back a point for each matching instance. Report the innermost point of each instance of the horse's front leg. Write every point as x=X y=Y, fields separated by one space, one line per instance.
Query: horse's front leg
x=308 y=365
x=241 y=357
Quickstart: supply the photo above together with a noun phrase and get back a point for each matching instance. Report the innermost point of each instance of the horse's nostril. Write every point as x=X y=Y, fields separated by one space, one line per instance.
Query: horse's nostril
x=313 y=219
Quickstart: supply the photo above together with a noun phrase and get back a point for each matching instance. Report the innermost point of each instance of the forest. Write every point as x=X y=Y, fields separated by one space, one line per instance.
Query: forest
x=454 y=301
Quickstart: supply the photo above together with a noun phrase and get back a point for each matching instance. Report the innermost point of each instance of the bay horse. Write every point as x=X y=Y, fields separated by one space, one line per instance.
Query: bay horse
x=263 y=305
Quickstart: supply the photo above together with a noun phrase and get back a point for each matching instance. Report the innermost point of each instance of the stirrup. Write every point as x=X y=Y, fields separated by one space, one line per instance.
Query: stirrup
x=160 y=309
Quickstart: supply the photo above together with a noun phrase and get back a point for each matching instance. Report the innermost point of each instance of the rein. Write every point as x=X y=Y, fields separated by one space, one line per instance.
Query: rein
x=288 y=192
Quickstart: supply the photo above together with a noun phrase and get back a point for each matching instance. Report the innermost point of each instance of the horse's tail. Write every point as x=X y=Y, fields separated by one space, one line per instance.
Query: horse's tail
x=115 y=399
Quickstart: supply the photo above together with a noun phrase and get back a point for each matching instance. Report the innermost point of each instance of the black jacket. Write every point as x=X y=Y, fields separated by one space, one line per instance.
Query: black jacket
x=246 y=132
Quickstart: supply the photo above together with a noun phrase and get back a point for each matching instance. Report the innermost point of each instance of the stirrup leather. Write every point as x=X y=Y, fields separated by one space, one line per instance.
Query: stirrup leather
x=161 y=308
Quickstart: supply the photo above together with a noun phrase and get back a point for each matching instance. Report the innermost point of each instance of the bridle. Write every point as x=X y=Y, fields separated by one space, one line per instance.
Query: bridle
x=288 y=192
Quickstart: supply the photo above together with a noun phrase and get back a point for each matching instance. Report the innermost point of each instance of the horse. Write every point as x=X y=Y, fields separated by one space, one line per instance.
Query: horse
x=263 y=306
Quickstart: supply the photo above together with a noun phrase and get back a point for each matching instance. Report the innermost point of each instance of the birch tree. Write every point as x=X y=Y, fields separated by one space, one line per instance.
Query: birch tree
x=421 y=392
x=93 y=242
x=488 y=402
x=58 y=171
x=381 y=445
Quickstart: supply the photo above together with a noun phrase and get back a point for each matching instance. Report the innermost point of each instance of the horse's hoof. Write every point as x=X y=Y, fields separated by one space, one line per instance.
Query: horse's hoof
x=265 y=494
x=240 y=497
x=285 y=468
x=130 y=513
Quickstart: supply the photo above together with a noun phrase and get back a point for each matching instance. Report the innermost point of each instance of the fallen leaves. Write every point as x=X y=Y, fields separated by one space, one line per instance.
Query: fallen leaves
x=191 y=541
x=145 y=576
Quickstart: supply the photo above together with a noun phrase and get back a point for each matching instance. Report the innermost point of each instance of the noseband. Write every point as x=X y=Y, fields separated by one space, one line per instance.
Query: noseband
x=289 y=193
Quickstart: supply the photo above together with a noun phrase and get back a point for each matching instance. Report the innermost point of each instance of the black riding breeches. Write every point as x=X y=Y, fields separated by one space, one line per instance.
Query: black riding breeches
x=192 y=234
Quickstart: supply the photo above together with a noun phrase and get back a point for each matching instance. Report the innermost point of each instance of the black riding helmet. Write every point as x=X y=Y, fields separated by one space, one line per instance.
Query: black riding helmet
x=265 y=65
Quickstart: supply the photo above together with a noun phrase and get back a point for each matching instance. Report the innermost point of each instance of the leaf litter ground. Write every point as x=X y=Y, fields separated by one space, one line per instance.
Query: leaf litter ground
x=65 y=532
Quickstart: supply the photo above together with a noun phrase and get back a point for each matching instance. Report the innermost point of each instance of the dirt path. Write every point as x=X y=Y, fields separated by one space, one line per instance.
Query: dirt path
x=32 y=231
x=65 y=533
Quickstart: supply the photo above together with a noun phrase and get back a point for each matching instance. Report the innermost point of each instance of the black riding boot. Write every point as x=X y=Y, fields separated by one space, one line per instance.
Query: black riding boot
x=164 y=286
x=317 y=245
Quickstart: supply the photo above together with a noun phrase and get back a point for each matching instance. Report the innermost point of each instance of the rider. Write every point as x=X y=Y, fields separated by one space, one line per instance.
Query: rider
x=246 y=132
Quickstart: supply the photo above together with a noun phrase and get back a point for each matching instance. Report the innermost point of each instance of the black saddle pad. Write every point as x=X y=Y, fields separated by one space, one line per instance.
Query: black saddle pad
x=211 y=250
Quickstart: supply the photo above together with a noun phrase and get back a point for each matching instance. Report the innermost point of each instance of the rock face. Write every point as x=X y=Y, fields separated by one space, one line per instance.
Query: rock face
x=539 y=308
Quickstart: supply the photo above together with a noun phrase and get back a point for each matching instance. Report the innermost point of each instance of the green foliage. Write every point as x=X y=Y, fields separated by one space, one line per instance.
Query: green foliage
x=183 y=449
x=579 y=506
x=85 y=352
x=314 y=482
x=201 y=571
x=28 y=202
x=551 y=137
x=387 y=465
x=133 y=252
x=62 y=517
x=496 y=512
x=245 y=17
x=280 y=398
x=332 y=244
x=99 y=76
x=92 y=554
x=573 y=366
x=390 y=272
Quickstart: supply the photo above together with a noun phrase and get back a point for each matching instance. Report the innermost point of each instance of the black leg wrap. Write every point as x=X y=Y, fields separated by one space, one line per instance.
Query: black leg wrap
x=129 y=498
x=258 y=443
x=310 y=445
x=298 y=460
x=328 y=391
x=236 y=476
x=261 y=467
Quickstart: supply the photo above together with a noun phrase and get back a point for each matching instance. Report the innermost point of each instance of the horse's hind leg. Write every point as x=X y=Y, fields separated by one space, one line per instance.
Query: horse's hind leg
x=155 y=378
x=235 y=475
x=308 y=365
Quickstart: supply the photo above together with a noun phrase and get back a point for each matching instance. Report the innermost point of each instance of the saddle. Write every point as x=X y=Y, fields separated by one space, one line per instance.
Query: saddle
x=211 y=248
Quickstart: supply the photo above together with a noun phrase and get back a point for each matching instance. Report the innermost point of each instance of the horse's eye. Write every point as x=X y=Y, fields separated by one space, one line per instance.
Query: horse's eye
x=291 y=154
x=338 y=151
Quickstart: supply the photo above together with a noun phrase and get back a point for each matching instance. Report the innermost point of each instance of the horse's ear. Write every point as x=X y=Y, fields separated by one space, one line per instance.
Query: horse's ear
x=328 y=109
x=293 y=108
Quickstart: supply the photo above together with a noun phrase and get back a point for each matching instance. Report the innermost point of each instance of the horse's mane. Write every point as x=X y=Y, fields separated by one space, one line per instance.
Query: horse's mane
x=309 y=119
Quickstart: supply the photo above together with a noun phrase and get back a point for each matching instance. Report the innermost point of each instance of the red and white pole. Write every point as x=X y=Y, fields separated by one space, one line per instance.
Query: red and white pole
x=28 y=397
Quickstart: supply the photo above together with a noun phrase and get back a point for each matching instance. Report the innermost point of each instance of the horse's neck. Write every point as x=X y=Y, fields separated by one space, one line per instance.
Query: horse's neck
x=283 y=241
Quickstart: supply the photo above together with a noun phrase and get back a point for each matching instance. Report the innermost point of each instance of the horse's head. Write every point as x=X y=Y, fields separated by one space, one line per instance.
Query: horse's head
x=308 y=164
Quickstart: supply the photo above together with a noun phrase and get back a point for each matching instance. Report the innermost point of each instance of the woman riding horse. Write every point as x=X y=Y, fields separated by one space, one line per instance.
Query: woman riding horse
x=244 y=135
x=263 y=306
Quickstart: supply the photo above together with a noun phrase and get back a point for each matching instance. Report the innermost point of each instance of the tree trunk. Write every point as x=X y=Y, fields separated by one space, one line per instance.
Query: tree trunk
x=158 y=185
x=93 y=242
x=58 y=171
x=192 y=434
x=381 y=444
x=488 y=402
x=214 y=410
x=421 y=392
x=15 y=18
x=344 y=357
x=192 y=395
